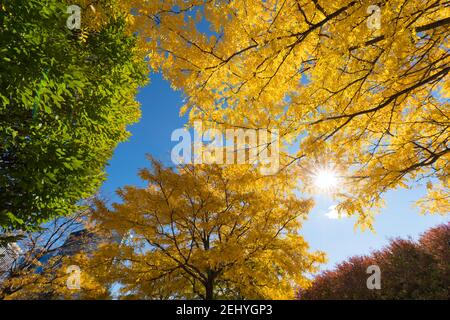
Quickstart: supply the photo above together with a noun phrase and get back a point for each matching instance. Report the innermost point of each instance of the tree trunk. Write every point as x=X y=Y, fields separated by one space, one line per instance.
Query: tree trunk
x=209 y=286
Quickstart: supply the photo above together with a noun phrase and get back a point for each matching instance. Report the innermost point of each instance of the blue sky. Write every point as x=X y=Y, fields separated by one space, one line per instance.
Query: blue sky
x=160 y=116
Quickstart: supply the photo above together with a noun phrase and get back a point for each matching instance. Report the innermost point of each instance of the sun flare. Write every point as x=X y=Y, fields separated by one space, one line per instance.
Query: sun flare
x=325 y=180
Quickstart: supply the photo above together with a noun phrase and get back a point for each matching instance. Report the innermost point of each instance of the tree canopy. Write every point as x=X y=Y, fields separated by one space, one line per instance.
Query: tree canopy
x=66 y=97
x=208 y=232
x=370 y=100
x=358 y=88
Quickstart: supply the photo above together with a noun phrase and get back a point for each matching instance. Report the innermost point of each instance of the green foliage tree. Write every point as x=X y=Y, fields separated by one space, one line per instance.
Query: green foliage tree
x=66 y=98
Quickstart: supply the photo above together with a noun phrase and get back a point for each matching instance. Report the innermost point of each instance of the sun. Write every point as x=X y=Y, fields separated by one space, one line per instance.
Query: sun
x=325 y=180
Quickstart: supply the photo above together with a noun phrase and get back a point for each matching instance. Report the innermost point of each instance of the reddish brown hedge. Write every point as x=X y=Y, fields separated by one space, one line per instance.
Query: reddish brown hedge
x=409 y=270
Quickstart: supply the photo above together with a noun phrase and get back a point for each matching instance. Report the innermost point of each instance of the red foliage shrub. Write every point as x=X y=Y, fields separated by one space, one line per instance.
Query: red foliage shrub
x=409 y=270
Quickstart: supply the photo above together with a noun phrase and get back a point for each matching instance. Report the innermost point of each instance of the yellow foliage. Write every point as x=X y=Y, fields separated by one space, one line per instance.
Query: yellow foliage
x=375 y=98
x=208 y=232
